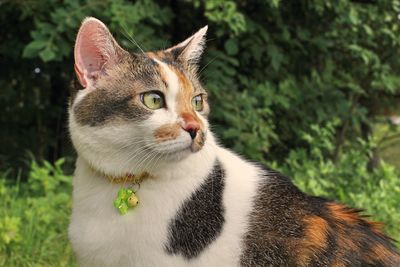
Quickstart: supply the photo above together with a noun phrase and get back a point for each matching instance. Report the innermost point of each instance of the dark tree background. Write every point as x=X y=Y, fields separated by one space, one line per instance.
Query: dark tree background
x=309 y=87
x=273 y=67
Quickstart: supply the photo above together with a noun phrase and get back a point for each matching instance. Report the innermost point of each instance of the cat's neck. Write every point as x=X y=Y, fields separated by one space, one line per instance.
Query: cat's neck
x=169 y=169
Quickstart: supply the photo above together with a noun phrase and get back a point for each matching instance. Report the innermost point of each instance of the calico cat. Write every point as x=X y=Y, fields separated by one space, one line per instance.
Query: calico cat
x=140 y=122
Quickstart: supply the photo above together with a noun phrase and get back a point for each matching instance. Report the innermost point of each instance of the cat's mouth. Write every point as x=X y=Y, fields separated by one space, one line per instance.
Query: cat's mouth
x=176 y=147
x=172 y=147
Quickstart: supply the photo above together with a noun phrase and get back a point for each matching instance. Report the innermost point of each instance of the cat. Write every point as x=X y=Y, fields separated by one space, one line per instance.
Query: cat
x=141 y=119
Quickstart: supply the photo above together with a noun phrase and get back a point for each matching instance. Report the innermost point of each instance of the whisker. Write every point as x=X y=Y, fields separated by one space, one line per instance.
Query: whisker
x=209 y=62
x=135 y=153
x=130 y=38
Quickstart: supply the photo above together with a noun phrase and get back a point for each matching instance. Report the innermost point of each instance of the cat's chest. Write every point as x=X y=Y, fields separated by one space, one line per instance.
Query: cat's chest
x=196 y=220
x=168 y=226
x=106 y=238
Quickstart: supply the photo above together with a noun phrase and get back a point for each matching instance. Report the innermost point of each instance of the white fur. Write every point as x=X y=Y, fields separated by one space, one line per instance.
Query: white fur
x=102 y=237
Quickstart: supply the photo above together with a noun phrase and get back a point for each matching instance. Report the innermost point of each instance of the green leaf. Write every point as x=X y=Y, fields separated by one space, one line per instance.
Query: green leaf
x=33 y=48
x=353 y=16
x=231 y=47
x=47 y=55
x=276 y=56
x=274 y=3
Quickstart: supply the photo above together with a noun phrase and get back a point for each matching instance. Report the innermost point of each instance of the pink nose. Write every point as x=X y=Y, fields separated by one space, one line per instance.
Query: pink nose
x=191 y=125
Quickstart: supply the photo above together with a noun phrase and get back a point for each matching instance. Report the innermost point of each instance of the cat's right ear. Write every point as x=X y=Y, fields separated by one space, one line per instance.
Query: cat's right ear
x=95 y=51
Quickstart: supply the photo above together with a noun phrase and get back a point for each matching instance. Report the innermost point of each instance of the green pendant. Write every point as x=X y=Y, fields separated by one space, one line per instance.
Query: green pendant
x=125 y=200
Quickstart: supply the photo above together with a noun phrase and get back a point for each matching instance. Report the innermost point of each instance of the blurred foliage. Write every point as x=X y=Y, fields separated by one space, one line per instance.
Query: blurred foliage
x=298 y=85
x=272 y=68
x=387 y=138
x=34 y=217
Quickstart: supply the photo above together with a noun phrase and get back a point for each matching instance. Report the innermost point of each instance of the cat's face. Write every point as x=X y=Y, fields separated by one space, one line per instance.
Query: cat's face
x=136 y=109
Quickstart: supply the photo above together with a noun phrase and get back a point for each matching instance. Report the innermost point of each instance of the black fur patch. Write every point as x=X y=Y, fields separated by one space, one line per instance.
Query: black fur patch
x=200 y=219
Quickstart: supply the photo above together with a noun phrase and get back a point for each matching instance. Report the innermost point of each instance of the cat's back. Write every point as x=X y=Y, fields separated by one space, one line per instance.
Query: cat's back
x=289 y=228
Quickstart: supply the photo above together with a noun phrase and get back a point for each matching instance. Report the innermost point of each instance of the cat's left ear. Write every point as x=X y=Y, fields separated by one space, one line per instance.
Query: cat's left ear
x=191 y=49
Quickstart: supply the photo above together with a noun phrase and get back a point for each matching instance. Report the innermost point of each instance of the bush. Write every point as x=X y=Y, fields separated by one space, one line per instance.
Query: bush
x=272 y=68
x=295 y=84
x=34 y=217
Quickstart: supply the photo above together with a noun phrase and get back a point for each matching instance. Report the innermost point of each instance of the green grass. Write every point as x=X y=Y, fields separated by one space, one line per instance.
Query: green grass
x=391 y=155
x=390 y=149
x=34 y=215
x=387 y=138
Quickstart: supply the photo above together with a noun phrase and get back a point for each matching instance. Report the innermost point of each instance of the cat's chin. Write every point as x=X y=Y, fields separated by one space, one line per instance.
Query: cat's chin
x=176 y=154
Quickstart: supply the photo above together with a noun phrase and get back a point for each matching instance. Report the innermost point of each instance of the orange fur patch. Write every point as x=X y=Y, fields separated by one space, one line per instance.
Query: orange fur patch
x=167 y=132
x=381 y=252
x=343 y=213
x=316 y=229
x=338 y=264
x=156 y=54
x=352 y=216
x=184 y=97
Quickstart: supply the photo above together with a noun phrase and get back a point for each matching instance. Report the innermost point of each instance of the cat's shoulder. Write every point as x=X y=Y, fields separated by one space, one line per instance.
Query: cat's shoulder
x=295 y=228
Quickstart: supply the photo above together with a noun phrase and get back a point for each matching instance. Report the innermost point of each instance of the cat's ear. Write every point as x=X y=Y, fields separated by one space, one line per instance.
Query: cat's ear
x=191 y=49
x=95 y=51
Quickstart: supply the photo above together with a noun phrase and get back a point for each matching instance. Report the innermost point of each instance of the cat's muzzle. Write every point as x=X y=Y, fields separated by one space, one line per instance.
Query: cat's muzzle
x=198 y=141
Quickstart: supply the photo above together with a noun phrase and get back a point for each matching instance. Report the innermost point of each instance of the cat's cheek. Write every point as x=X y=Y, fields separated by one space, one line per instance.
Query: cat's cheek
x=160 y=118
x=167 y=132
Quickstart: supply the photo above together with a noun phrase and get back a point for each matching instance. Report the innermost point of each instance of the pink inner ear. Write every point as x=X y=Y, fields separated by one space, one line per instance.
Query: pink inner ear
x=80 y=75
x=92 y=50
x=90 y=54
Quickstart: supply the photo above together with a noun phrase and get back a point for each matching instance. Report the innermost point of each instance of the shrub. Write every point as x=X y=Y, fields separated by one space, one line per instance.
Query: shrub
x=34 y=217
x=272 y=68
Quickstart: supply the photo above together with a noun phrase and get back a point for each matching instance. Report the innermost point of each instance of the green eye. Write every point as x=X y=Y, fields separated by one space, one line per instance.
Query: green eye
x=197 y=102
x=153 y=100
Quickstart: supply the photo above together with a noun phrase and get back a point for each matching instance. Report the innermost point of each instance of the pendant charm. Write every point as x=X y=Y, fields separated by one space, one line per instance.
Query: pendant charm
x=126 y=199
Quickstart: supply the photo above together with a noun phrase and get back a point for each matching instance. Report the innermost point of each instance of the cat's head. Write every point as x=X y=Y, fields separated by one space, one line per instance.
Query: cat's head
x=135 y=109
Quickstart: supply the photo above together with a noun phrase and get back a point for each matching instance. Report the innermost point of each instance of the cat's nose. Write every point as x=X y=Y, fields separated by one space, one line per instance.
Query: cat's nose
x=192 y=129
x=190 y=125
